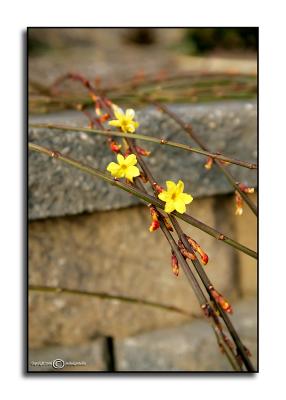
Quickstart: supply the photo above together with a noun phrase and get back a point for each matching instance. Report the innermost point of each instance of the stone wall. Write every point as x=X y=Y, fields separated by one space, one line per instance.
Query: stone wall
x=88 y=237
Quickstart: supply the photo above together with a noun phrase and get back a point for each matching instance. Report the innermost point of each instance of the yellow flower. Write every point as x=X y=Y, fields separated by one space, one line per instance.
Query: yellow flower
x=125 y=167
x=175 y=198
x=124 y=121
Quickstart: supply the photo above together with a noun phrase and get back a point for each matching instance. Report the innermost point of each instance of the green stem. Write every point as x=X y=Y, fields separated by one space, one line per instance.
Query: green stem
x=148 y=139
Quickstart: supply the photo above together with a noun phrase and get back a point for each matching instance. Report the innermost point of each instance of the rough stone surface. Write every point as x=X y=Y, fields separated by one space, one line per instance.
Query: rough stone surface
x=108 y=54
x=73 y=252
x=56 y=189
x=93 y=356
x=190 y=347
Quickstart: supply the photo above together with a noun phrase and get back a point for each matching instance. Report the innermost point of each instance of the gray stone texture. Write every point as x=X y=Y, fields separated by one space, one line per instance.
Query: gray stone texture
x=56 y=189
x=191 y=347
x=76 y=253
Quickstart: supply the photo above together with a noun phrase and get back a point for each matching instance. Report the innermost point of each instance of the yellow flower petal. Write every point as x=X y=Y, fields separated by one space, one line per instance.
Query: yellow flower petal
x=118 y=113
x=115 y=122
x=171 y=186
x=130 y=113
x=187 y=198
x=180 y=206
x=164 y=196
x=130 y=160
x=113 y=168
x=130 y=128
x=169 y=206
x=131 y=172
x=180 y=187
x=120 y=159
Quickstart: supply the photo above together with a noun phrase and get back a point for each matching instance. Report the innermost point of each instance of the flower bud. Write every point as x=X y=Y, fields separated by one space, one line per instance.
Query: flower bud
x=185 y=252
x=238 y=204
x=246 y=189
x=208 y=165
x=104 y=117
x=175 y=264
x=157 y=187
x=168 y=224
x=221 y=301
x=142 y=151
x=198 y=249
x=115 y=147
x=155 y=224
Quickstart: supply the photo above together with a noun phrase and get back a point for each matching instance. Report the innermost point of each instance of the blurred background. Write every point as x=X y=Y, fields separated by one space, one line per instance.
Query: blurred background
x=86 y=237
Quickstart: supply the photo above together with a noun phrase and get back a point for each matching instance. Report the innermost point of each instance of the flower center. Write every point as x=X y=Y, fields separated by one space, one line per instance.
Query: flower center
x=173 y=197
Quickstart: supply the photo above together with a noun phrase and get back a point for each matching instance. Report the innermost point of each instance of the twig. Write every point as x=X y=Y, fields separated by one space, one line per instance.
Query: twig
x=148 y=139
x=203 y=276
x=60 y=290
x=143 y=196
x=187 y=128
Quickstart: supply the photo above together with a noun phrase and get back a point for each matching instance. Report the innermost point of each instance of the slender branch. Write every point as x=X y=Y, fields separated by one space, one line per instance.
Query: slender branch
x=203 y=276
x=209 y=311
x=148 y=139
x=208 y=285
x=52 y=289
x=187 y=128
x=143 y=196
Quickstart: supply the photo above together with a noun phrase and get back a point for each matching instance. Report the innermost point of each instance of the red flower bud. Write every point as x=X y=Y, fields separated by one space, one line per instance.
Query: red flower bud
x=155 y=224
x=104 y=117
x=157 y=187
x=245 y=188
x=142 y=151
x=238 y=203
x=221 y=301
x=168 y=224
x=175 y=264
x=185 y=252
x=198 y=249
x=115 y=147
x=209 y=163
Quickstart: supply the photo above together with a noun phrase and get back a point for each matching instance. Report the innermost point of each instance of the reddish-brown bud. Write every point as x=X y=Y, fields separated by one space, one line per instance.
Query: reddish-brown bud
x=198 y=249
x=238 y=204
x=155 y=221
x=142 y=151
x=185 y=252
x=157 y=187
x=175 y=264
x=115 y=147
x=246 y=189
x=168 y=224
x=154 y=226
x=208 y=165
x=104 y=117
x=221 y=301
